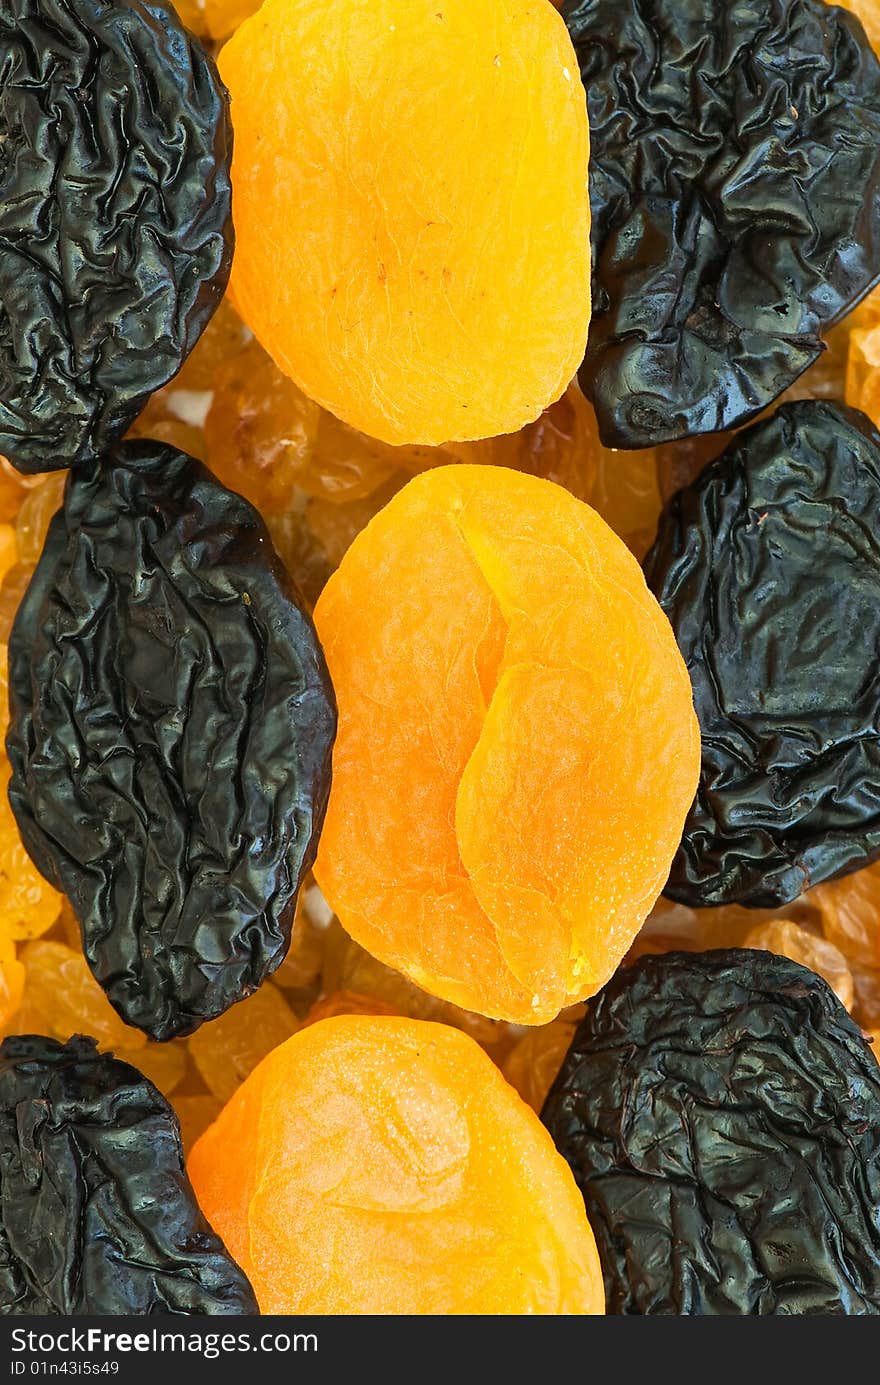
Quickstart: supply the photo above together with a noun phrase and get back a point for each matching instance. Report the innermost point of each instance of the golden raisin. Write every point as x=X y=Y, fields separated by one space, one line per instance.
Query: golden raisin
x=790 y=940
x=851 y=914
x=37 y=509
x=62 y=998
x=532 y=1066
x=228 y=1048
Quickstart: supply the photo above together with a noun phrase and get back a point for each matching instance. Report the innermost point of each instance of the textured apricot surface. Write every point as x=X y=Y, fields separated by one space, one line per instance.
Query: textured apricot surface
x=383 y=1165
x=411 y=208
x=517 y=746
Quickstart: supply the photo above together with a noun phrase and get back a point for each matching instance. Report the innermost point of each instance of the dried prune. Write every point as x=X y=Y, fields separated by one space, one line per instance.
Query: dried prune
x=735 y=195
x=721 y=1114
x=115 y=230
x=97 y=1214
x=171 y=729
x=765 y=565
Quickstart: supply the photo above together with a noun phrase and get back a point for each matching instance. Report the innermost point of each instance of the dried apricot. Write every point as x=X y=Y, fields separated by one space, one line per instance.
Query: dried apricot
x=381 y=1165
x=517 y=747
x=411 y=208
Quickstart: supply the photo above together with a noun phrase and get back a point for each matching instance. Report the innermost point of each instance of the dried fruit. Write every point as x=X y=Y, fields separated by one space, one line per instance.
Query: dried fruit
x=396 y=170
x=179 y=808
x=63 y=998
x=788 y=939
x=11 y=982
x=349 y=969
x=32 y=521
x=347 y=1003
x=851 y=915
x=96 y=1212
x=229 y=1048
x=532 y=1066
x=765 y=566
x=28 y=904
x=486 y=637
x=383 y=1165
x=735 y=194
x=115 y=236
x=195 y=1114
x=721 y=1114
x=264 y=439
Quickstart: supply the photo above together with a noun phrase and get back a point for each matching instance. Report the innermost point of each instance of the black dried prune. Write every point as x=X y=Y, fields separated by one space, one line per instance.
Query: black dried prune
x=97 y=1214
x=115 y=229
x=735 y=195
x=720 y=1112
x=768 y=567
x=172 y=722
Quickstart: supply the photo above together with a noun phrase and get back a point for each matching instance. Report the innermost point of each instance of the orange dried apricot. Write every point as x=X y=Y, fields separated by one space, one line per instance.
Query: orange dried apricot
x=517 y=747
x=383 y=1166
x=411 y=208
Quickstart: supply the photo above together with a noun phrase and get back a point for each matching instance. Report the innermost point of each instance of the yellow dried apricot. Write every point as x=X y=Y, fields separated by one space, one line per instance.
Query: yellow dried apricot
x=383 y=1166
x=517 y=746
x=411 y=208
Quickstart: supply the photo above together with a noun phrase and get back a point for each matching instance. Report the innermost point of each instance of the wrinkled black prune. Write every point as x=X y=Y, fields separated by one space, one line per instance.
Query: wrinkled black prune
x=768 y=567
x=171 y=730
x=721 y=1115
x=115 y=230
x=97 y=1214
x=735 y=193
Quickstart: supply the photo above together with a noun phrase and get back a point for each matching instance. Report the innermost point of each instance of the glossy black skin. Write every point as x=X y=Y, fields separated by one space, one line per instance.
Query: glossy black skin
x=97 y=1214
x=720 y=1112
x=115 y=217
x=768 y=567
x=172 y=723
x=735 y=194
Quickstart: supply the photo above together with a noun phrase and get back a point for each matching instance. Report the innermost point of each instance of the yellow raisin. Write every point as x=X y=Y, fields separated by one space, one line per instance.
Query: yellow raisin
x=227 y=1049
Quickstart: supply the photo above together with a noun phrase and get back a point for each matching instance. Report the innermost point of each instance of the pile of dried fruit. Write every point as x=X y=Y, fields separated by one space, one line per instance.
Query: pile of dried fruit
x=341 y=570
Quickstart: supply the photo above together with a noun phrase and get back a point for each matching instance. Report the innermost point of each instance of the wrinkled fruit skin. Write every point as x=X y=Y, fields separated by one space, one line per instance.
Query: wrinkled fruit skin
x=735 y=194
x=97 y=1214
x=380 y=1165
x=721 y=1114
x=411 y=209
x=517 y=744
x=765 y=566
x=115 y=230
x=171 y=729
